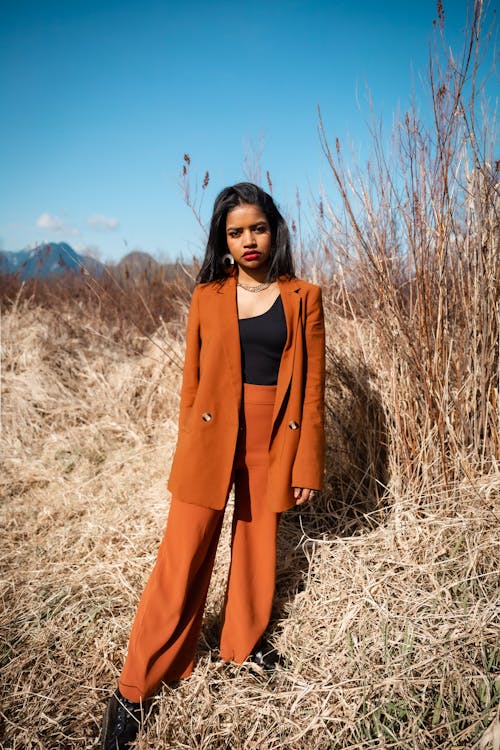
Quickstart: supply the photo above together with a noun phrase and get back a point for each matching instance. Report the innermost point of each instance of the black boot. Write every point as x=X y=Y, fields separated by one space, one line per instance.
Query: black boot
x=121 y=723
x=266 y=657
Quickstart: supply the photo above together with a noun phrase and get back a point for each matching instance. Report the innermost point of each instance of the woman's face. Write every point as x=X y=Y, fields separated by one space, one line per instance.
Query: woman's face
x=248 y=237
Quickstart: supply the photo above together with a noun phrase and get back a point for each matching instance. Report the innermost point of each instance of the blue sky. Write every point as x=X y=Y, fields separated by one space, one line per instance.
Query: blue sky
x=101 y=99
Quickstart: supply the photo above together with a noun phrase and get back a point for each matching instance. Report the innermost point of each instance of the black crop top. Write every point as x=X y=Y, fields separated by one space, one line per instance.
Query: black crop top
x=262 y=340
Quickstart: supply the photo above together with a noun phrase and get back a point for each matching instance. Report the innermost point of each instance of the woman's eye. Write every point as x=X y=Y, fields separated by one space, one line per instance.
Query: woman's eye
x=234 y=233
x=261 y=228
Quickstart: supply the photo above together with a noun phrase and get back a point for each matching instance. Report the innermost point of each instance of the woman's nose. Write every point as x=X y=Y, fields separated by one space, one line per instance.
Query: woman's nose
x=248 y=238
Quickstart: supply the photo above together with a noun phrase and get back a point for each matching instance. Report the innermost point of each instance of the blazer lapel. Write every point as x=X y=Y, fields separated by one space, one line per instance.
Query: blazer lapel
x=228 y=323
x=290 y=295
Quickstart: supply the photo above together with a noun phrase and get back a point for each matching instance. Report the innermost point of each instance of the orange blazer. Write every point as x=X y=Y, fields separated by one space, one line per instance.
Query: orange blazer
x=212 y=391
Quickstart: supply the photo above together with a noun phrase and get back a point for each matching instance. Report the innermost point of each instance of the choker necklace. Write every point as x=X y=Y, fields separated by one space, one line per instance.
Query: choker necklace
x=256 y=288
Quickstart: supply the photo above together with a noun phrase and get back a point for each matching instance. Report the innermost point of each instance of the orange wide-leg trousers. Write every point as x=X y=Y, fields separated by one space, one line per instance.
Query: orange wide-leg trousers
x=165 y=633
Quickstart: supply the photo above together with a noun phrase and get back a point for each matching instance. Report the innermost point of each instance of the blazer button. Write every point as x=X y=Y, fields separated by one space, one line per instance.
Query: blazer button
x=206 y=416
x=293 y=425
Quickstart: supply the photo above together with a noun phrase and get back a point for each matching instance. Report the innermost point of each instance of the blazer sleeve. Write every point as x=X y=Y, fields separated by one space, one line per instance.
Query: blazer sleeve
x=308 y=468
x=191 y=371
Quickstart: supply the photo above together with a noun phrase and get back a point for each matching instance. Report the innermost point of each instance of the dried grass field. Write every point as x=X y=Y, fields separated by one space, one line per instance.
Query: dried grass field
x=387 y=607
x=386 y=613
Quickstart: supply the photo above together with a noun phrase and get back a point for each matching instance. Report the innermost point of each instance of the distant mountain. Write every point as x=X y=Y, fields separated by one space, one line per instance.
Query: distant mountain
x=140 y=266
x=47 y=259
x=136 y=262
x=56 y=258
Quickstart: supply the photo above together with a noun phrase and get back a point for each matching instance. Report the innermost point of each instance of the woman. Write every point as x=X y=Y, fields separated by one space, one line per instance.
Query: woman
x=251 y=414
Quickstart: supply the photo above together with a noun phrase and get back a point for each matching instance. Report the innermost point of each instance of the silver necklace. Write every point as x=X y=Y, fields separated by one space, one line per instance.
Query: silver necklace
x=256 y=288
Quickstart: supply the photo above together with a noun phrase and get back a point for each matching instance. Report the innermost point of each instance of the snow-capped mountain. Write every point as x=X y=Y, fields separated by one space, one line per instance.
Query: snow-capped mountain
x=46 y=259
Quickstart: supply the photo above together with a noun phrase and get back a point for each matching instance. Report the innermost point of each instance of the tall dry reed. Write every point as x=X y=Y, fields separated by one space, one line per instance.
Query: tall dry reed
x=413 y=242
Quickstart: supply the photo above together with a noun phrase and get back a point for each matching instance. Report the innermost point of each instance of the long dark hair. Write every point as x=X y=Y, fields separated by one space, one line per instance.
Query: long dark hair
x=213 y=267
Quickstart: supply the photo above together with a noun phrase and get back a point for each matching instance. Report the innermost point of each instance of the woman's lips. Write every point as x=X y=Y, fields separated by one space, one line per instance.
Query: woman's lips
x=251 y=256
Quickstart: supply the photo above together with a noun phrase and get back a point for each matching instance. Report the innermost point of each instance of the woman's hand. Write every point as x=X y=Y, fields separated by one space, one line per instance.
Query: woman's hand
x=302 y=495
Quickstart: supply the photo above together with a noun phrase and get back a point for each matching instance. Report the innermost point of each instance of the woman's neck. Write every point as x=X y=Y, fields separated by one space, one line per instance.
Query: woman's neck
x=252 y=277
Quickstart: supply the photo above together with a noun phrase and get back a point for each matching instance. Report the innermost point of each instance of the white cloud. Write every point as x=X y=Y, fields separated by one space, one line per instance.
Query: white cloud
x=103 y=223
x=53 y=223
